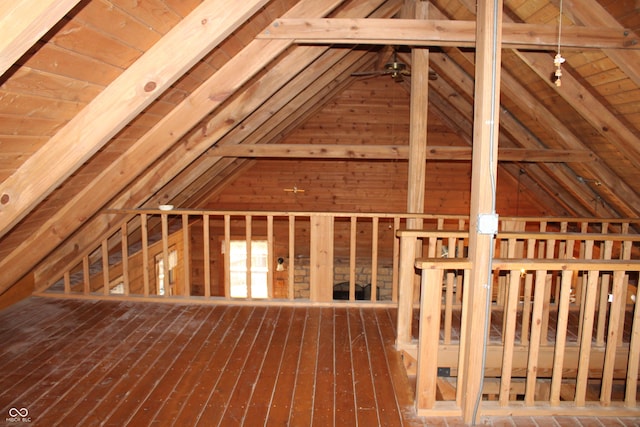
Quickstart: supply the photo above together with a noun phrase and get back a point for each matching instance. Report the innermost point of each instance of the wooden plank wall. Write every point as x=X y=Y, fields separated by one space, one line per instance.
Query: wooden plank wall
x=371 y=111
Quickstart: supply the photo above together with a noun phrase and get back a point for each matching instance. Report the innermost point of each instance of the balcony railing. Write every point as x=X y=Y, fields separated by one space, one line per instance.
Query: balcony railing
x=564 y=326
x=312 y=257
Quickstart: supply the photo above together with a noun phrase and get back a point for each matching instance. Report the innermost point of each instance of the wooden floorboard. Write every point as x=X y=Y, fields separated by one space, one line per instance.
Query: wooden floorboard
x=90 y=363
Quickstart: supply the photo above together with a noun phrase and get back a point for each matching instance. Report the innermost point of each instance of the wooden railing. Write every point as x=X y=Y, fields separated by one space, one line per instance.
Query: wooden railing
x=309 y=256
x=564 y=328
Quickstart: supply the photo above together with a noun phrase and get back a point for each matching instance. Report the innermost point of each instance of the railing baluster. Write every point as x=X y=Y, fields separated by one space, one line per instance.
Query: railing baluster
x=634 y=357
x=528 y=289
x=292 y=255
x=105 y=267
x=227 y=256
x=125 y=257
x=249 y=263
x=585 y=339
x=164 y=218
x=603 y=303
x=561 y=336
x=186 y=256
x=509 y=334
x=374 y=258
x=86 y=275
x=536 y=332
x=612 y=337
x=145 y=253
x=395 y=274
x=448 y=299
x=270 y=261
x=67 y=283
x=352 y=257
x=206 y=252
x=550 y=254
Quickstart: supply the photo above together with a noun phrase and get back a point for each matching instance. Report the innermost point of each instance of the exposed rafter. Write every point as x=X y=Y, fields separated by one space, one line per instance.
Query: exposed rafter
x=117 y=105
x=416 y=32
x=395 y=152
x=22 y=23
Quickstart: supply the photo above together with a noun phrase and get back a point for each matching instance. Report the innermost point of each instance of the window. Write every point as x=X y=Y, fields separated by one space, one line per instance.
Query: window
x=259 y=269
x=165 y=284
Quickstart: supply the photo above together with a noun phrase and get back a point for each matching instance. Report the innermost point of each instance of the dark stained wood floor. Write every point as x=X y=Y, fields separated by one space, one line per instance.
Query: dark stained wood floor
x=87 y=363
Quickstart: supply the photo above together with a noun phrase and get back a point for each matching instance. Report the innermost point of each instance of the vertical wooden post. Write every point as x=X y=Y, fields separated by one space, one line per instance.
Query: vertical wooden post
x=483 y=179
x=321 y=265
x=427 y=372
x=408 y=279
x=418 y=130
x=419 y=106
x=405 y=289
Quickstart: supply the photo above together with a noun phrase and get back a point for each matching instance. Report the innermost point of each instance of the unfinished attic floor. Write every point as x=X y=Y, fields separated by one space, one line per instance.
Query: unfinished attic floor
x=85 y=363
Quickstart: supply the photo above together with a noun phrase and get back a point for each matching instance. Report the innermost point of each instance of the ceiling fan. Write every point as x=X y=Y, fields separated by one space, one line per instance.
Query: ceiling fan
x=395 y=68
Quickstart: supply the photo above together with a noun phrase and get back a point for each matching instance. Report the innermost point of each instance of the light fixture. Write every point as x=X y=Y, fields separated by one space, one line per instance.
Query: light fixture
x=294 y=190
x=280 y=266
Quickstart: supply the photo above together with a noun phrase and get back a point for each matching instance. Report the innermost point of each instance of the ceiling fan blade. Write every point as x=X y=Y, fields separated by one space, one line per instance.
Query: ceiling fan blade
x=370 y=73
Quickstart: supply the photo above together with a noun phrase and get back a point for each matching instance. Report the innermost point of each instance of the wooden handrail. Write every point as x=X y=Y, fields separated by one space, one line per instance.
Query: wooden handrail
x=521 y=235
x=532 y=264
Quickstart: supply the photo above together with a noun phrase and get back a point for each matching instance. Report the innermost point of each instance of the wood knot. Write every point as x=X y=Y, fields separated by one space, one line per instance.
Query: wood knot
x=150 y=86
x=5 y=199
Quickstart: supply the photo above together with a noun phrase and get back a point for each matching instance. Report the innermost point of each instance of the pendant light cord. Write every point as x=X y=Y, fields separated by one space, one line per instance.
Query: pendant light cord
x=558 y=60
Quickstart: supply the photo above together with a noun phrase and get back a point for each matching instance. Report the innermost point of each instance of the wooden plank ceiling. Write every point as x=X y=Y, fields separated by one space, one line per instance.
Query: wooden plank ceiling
x=113 y=103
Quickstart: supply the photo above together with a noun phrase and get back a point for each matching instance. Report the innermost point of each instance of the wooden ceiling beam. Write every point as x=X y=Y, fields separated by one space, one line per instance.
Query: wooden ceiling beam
x=186 y=151
x=281 y=111
x=419 y=32
x=169 y=130
x=131 y=92
x=390 y=152
x=23 y=23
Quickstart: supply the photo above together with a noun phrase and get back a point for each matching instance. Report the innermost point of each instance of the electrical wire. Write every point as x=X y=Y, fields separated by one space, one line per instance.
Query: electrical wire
x=492 y=135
